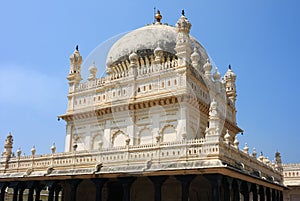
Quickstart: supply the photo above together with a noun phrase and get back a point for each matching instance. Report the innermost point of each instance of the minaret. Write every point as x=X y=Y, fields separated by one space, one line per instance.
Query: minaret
x=230 y=87
x=278 y=161
x=74 y=76
x=183 y=47
x=213 y=132
x=7 y=152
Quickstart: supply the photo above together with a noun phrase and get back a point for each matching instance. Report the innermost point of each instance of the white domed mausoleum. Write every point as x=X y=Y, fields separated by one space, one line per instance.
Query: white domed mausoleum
x=159 y=126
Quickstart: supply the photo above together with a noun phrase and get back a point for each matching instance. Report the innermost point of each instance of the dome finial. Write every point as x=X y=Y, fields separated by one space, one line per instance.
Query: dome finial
x=229 y=66
x=76 y=48
x=158 y=17
x=182 y=12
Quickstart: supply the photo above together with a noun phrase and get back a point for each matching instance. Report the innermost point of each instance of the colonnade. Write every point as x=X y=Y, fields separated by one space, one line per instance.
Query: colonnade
x=222 y=188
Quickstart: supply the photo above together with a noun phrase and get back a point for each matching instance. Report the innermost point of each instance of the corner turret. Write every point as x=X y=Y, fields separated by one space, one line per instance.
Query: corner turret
x=229 y=81
x=74 y=76
x=213 y=132
x=183 y=47
x=7 y=152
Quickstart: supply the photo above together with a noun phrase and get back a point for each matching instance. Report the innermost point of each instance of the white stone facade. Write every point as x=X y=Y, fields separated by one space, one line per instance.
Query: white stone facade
x=155 y=88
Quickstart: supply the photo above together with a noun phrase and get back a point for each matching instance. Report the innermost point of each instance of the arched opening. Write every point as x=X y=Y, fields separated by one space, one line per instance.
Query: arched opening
x=119 y=139
x=196 y=193
x=171 y=190
x=169 y=134
x=142 y=189
x=86 y=191
x=96 y=142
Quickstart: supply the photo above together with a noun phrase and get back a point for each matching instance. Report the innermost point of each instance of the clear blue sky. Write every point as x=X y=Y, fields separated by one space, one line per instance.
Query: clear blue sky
x=260 y=39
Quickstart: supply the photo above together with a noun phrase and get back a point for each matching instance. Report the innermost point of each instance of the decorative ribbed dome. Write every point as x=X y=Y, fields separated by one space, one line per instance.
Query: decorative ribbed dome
x=144 y=41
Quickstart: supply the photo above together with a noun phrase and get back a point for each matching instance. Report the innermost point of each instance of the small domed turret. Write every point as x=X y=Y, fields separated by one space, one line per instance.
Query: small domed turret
x=183 y=24
x=216 y=75
x=93 y=70
x=207 y=68
x=195 y=58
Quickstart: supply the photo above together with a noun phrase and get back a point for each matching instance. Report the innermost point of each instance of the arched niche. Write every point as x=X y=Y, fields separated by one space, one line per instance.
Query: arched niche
x=145 y=136
x=119 y=139
x=169 y=133
x=96 y=141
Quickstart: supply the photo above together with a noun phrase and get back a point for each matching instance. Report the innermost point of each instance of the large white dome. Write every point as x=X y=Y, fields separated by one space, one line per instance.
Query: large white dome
x=148 y=38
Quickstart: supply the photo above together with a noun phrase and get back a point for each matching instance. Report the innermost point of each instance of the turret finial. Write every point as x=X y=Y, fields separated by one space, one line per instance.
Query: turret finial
x=182 y=12
x=76 y=48
x=229 y=67
x=158 y=17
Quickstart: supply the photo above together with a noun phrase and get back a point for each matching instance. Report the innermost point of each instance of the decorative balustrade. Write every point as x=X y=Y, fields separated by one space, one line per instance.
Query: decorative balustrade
x=159 y=153
x=90 y=84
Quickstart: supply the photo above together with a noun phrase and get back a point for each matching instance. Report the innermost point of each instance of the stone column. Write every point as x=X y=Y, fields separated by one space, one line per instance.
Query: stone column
x=99 y=185
x=268 y=193
x=16 y=190
x=273 y=194
x=246 y=190
x=185 y=185
x=280 y=196
x=215 y=181
x=74 y=184
x=30 y=185
x=158 y=182
x=21 y=191
x=38 y=192
x=56 y=192
x=3 y=186
x=261 y=193
x=237 y=190
x=254 y=192
x=51 y=187
x=227 y=188
x=126 y=183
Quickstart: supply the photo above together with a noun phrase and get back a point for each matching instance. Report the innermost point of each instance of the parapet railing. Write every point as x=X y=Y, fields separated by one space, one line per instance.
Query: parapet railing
x=159 y=153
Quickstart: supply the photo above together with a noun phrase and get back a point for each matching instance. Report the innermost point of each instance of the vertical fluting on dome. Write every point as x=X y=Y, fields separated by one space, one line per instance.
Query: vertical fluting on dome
x=75 y=67
x=183 y=46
